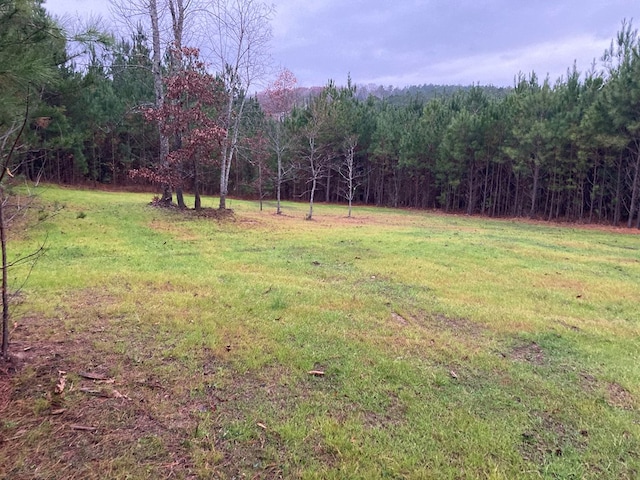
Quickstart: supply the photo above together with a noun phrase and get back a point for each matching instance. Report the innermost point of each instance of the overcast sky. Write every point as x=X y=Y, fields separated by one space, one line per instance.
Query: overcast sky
x=415 y=42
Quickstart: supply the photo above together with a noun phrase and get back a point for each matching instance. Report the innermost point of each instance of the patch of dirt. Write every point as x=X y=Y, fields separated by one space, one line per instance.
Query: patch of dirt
x=549 y=437
x=588 y=382
x=614 y=394
x=215 y=213
x=529 y=352
x=619 y=397
x=250 y=444
x=128 y=408
x=457 y=326
x=86 y=423
x=399 y=319
x=434 y=336
x=394 y=414
x=461 y=326
x=206 y=212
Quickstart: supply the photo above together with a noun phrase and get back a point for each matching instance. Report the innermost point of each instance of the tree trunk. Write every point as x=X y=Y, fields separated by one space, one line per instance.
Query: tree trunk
x=158 y=90
x=5 y=302
x=471 y=193
x=618 y=202
x=485 y=192
x=327 y=196
x=177 y=22
x=113 y=162
x=279 y=183
x=224 y=184
x=312 y=194
x=260 y=184
x=514 y=211
x=180 y=198
x=634 y=191
x=592 y=197
x=230 y=143
x=601 y=197
x=196 y=185
x=367 y=190
x=534 y=188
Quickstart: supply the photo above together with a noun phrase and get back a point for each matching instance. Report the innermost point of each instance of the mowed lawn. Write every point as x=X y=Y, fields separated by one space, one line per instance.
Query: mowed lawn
x=395 y=344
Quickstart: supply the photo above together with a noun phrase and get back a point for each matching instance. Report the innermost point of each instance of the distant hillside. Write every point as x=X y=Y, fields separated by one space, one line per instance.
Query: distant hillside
x=422 y=93
x=399 y=96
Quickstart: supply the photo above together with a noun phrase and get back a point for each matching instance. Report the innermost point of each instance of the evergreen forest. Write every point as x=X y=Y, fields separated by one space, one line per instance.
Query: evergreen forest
x=147 y=112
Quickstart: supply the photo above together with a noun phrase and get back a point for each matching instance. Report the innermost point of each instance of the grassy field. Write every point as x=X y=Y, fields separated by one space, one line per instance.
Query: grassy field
x=157 y=344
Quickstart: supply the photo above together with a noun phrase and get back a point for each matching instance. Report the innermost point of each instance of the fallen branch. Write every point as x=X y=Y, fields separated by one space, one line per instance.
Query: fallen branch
x=93 y=376
x=83 y=428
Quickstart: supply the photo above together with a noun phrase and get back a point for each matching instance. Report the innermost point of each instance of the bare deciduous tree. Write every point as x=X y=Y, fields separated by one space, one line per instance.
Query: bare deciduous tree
x=239 y=36
x=317 y=150
x=348 y=170
x=280 y=100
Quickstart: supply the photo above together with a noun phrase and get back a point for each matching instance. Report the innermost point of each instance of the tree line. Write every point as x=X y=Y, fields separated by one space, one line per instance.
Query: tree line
x=149 y=109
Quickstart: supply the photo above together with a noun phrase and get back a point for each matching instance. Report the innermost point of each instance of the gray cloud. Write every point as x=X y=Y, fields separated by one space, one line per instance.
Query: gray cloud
x=402 y=42
x=439 y=41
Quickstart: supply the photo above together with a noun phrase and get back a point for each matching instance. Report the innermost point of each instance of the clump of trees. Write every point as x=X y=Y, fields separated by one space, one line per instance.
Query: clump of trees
x=563 y=149
x=189 y=119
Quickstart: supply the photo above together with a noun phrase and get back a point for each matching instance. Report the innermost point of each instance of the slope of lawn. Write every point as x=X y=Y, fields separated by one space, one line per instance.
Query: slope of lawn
x=150 y=343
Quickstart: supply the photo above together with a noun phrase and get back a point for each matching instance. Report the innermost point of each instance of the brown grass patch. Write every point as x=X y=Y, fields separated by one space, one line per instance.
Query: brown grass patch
x=619 y=397
x=399 y=319
x=529 y=352
x=395 y=413
x=177 y=231
x=92 y=426
x=140 y=413
x=458 y=327
x=548 y=436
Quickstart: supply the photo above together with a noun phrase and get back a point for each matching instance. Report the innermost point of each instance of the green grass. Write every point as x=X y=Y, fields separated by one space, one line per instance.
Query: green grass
x=452 y=346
